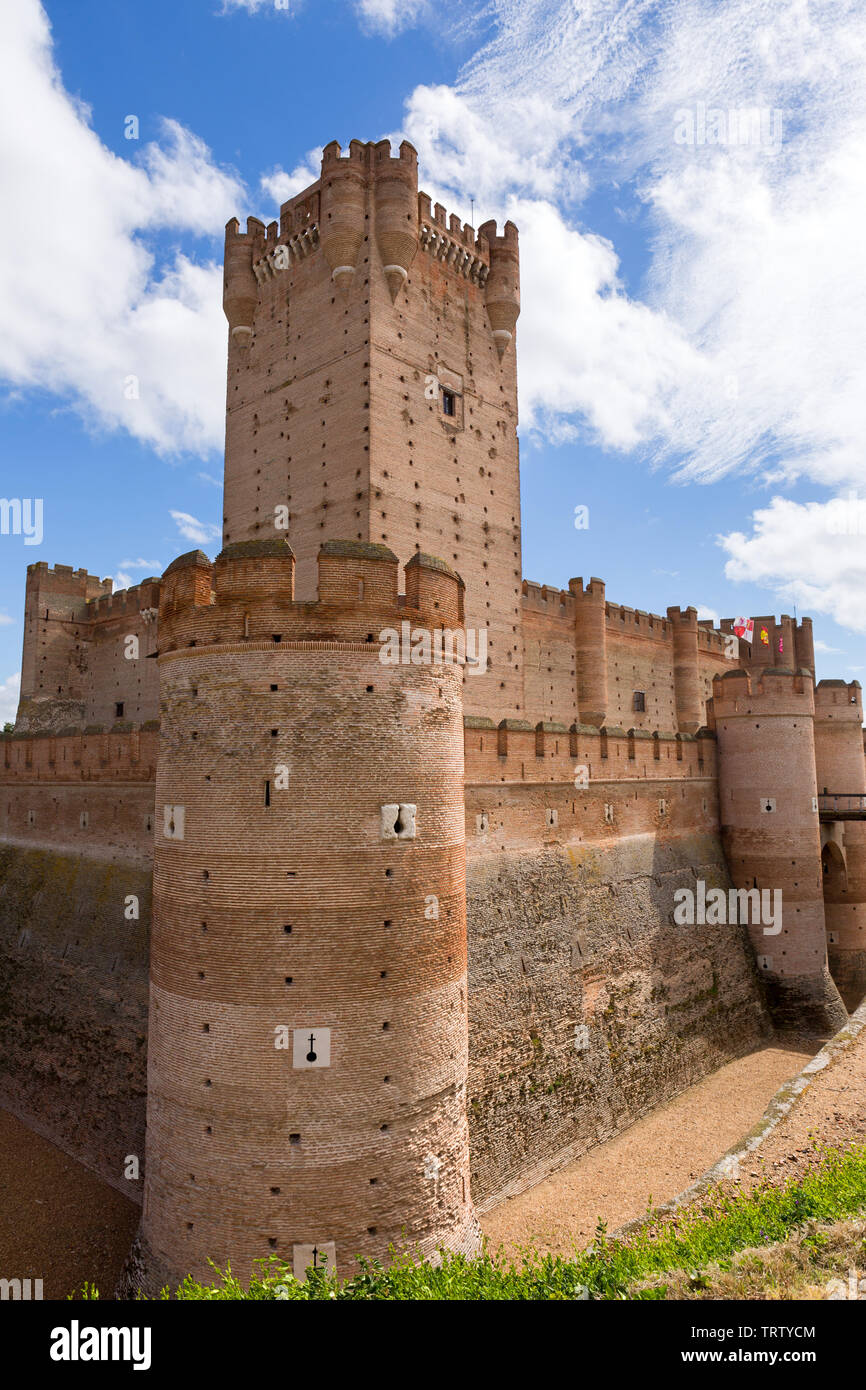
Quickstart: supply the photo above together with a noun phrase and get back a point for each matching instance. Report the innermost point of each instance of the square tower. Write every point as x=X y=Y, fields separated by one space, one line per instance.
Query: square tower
x=372 y=389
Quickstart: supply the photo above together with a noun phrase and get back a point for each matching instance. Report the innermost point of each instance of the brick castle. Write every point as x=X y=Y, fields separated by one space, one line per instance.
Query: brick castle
x=412 y=939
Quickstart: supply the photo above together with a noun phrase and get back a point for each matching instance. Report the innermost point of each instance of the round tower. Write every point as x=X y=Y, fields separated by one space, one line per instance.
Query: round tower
x=841 y=770
x=396 y=211
x=590 y=643
x=343 y=205
x=308 y=1050
x=502 y=287
x=687 y=686
x=770 y=830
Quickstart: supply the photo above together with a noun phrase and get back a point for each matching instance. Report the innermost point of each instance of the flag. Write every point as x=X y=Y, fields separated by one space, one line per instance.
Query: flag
x=765 y=637
x=745 y=628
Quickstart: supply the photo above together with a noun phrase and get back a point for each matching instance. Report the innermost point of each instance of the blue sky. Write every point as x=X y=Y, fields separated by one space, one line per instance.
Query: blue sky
x=691 y=344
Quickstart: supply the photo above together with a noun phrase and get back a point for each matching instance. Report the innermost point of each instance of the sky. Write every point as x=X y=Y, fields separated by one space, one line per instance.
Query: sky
x=689 y=181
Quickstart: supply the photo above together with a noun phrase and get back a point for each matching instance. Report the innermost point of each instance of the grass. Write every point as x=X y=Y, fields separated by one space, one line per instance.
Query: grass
x=701 y=1242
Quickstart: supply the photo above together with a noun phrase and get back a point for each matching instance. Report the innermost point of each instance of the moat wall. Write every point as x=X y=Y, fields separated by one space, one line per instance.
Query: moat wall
x=581 y=937
x=73 y=1003
x=571 y=935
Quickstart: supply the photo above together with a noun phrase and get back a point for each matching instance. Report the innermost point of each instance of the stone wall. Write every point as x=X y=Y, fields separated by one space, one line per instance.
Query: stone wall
x=588 y=1007
x=73 y=1003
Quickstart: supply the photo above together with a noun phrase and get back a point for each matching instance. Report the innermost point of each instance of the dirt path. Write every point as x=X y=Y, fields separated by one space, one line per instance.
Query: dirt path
x=832 y=1111
x=657 y=1157
x=58 y=1221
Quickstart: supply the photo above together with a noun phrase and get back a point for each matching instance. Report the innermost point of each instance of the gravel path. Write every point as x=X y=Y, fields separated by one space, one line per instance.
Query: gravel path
x=831 y=1111
x=656 y=1157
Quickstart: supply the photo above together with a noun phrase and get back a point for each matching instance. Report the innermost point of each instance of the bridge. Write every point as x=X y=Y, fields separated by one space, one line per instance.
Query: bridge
x=842 y=806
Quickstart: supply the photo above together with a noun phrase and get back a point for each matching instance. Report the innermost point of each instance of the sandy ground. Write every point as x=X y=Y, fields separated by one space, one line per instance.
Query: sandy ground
x=59 y=1222
x=832 y=1111
x=655 y=1158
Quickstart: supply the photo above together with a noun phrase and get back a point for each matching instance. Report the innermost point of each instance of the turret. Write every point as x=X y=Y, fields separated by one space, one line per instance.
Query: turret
x=770 y=831
x=396 y=211
x=343 y=207
x=590 y=643
x=308 y=1039
x=239 y=281
x=804 y=646
x=502 y=288
x=841 y=771
x=55 y=628
x=687 y=686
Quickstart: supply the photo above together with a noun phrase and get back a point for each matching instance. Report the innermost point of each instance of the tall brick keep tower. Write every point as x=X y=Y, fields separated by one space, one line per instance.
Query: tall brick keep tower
x=308 y=1045
x=372 y=390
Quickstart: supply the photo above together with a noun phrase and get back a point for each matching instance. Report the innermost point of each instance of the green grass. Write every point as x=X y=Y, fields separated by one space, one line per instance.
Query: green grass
x=710 y=1231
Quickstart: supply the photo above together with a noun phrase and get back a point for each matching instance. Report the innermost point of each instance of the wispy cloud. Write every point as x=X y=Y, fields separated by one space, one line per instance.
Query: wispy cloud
x=200 y=532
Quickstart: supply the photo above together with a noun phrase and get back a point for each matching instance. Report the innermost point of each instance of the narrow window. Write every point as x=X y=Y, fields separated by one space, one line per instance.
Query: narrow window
x=639 y=701
x=118 y=710
x=448 y=402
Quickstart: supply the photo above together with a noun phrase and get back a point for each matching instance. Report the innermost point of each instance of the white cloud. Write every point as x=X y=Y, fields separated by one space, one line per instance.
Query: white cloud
x=6 y=620
x=200 y=532
x=465 y=153
x=827 y=650
x=9 y=690
x=755 y=291
x=800 y=553
x=591 y=356
x=86 y=311
x=391 y=16
x=253 y=6
x=278 y=186
x=704 y=613
x=207 y=478
x=152 y=566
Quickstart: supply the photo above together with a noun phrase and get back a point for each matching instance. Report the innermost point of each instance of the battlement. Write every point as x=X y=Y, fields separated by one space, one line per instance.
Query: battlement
x=136 y=601
x=783 y=642
x=620 y=616
x=255 y=230
x=247 y=595
x=837 y=699
x=65 y=580
x=574 y=754
x=544 y=598
x=593 y=592
x=776 y=690
x=122 y=755
x=508 y=241
x=367 y=154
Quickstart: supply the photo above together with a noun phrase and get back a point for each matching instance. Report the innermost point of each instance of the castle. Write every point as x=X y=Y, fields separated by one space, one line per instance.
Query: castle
x=395 y=926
